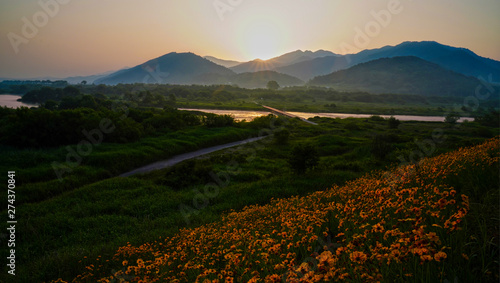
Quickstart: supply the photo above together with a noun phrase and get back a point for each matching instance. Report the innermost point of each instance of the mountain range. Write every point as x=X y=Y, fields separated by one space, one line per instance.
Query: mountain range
x=298 y=67
x=460 y=60
x=280 y=61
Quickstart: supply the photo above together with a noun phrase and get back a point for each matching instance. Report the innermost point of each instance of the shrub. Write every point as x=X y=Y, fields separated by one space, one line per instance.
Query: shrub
x=303 y=157
x=281 y=136
x=452 y=118
x=380 y=146
x=393 y=123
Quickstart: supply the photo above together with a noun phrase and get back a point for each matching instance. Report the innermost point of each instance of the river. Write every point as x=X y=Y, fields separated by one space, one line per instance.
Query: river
x=10 y=100
x=249 y=115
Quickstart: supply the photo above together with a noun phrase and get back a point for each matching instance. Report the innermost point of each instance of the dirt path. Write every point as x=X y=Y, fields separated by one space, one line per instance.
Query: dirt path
x=181 y=157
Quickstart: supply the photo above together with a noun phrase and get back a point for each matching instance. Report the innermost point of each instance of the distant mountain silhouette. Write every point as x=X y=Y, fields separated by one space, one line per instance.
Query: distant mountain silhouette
x=188 y=68
x=222 y=62
x=260 y=79
x=320 y=66
x=460 y=60
x=174 y=68
x=401 y=75
x=283 y=60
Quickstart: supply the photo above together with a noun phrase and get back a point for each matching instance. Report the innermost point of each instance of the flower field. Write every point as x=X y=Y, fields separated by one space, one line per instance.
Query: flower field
x=406 y=224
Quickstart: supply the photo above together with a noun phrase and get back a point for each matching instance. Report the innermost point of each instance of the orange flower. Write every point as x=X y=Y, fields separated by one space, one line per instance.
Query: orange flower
x=426 y=257
x=377 y=228
x=440 y=256
x=358 y=257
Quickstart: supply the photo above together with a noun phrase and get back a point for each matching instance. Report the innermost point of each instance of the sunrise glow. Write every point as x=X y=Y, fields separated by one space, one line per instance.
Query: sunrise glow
x=91 y=37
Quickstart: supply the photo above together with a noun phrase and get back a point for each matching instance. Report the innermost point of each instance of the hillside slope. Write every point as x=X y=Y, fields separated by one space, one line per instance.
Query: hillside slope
x=406 y=224
x=174 y=68
x=400 y=75
x=260 y=79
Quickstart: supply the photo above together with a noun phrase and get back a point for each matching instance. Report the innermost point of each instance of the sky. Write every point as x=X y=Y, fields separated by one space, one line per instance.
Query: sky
x=61 y=38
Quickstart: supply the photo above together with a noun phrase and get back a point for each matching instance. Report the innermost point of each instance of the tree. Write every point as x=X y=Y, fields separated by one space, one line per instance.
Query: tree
x=491 y=118
x=172 y=100
x=273 y=85
x=50 y=105
x=452 y=118
x=393 y=123
x=71 y=91
x=303 y=157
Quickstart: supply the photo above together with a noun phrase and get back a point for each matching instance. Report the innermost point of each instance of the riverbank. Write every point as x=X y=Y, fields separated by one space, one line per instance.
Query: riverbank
x=249 y=115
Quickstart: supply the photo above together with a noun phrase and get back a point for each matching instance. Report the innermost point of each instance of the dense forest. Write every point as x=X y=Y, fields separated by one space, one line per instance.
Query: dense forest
x=136 y=111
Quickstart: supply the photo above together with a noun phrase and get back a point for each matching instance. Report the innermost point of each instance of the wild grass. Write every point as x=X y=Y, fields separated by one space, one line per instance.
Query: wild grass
x=410 y=223
x=64 y=228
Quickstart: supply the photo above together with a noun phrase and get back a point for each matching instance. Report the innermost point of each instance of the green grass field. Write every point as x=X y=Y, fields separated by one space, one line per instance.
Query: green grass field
x=65 y=226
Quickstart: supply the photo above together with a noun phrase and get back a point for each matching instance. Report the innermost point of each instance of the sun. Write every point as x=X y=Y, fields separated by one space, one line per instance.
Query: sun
x=261 y=39
x=262 y=42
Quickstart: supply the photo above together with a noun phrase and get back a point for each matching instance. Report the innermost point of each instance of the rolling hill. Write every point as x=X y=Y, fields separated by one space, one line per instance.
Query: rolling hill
x=260 y=79
x=401 y=75
x=222 y=62
x=175 y=68
x=283 y=60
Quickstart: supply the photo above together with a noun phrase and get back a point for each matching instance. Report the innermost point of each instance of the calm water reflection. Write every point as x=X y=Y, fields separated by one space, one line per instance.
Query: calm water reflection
x=10 y=100
x=249 y=115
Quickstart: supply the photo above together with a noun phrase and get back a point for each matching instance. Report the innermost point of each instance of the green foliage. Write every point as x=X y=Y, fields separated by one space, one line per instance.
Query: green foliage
x=452 y=118
x=186 y=174
x=303 y=157
x=376 y=118
x=393 y=123
x=215 y=121
x=273 y=85
x=42 y=127
x=490 y=118
x=281 y=136
x=266 y=122
x=352 y=126
x=50 y=105
x=380 y=146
